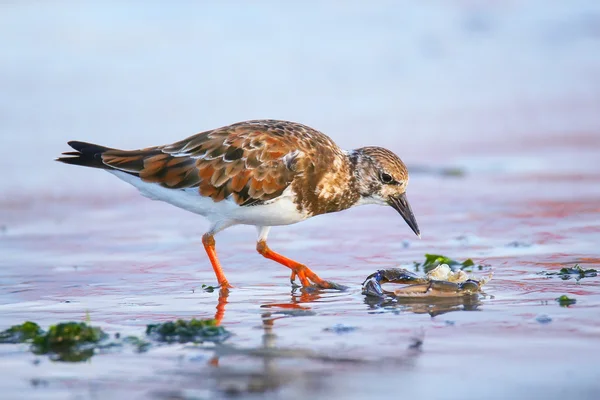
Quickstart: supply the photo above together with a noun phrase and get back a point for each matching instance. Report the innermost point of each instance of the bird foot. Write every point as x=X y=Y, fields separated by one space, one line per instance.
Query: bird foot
x=309 y=279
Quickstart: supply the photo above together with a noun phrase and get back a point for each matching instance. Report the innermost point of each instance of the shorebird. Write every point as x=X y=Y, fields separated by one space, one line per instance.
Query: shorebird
x=263 y=173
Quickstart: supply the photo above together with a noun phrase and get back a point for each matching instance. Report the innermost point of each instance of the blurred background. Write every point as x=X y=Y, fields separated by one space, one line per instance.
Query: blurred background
x=494 y=106
x=439 y=82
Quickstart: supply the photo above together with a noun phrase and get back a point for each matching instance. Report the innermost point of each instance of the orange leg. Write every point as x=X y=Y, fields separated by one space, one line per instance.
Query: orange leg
x=208 y=241
x=300 y=270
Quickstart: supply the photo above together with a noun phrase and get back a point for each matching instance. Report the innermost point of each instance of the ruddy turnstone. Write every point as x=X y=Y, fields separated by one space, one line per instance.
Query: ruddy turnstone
x=262 y=173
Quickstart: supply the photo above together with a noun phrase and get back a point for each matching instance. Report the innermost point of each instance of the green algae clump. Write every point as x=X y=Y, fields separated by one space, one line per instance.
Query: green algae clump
x=577 y=272
x=573 y=272
x=139 y=345
x=69 y=341
x=565 y=300
x=78 y=341
x=181 y=331
x=435 y=260
x=25 y=332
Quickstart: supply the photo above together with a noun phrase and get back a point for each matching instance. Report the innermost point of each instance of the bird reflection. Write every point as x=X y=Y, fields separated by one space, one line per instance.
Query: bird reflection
x=268 y=376
x=240 y=370
x=298 y=304
x=220 y=313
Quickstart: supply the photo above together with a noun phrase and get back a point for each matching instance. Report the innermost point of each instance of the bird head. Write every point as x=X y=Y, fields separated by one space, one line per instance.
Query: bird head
x=382 y=178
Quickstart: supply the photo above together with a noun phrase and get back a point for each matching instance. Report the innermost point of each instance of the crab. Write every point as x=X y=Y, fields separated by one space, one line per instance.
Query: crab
x=440 y=282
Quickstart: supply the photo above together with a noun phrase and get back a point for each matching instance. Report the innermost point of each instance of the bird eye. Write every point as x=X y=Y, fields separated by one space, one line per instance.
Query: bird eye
x=386 y=178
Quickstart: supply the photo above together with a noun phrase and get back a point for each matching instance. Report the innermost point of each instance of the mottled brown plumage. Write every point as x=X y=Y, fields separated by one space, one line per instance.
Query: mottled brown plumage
x=245 y=160
x=252 y=161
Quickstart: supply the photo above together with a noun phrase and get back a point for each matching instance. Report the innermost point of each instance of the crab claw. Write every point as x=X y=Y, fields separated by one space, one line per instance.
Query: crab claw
x=371 y=287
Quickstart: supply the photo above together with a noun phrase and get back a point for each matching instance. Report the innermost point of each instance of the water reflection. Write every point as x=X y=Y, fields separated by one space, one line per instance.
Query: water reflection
x=298 y=304
x=431 y=306
x=260 y=372
x=220 y=313
x=235 y=370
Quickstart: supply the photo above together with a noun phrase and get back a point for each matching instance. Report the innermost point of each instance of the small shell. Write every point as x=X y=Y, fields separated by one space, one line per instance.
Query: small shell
x=444 y=273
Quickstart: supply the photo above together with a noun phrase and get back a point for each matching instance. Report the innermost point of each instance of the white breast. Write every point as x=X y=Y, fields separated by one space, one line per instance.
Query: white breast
x=280 y=211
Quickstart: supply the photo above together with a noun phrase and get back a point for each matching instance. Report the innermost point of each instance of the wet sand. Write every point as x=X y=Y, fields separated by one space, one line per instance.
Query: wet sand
x=77 y=242
x=129 y=261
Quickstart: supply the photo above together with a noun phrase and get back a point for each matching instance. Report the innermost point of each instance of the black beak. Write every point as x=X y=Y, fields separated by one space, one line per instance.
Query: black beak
x=401 y=205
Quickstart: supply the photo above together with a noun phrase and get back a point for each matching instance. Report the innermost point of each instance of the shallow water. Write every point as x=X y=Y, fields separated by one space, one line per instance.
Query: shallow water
x=525 y=134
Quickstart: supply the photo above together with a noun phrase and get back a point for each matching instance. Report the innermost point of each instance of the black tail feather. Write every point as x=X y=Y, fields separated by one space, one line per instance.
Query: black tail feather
x=87 y=155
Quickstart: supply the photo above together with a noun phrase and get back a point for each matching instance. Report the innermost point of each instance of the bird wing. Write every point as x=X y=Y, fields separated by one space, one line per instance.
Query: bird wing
x=253 y=161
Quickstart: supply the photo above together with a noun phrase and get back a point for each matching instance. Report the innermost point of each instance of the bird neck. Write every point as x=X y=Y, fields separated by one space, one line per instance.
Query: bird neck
x=329 y=187
x=359 y=163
